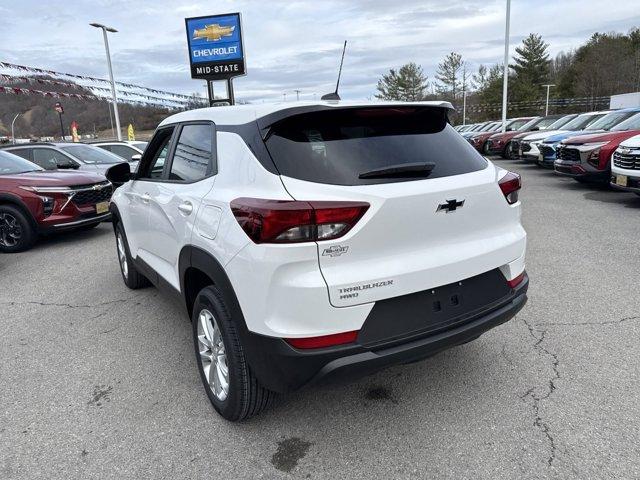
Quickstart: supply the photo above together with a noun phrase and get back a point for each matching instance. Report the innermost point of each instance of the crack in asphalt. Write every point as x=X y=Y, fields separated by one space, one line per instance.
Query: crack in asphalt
x=68 y=305
x=539 y=422
x=603 y=323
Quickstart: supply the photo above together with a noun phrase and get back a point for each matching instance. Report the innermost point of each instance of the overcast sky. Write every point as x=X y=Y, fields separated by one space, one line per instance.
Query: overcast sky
x=293 y=44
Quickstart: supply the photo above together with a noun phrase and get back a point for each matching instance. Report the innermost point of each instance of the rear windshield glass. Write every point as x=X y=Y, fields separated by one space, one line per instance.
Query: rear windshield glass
x=337 y=146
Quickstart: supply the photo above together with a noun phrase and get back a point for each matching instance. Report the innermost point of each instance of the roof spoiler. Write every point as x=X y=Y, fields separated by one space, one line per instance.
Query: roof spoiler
x=265 y=123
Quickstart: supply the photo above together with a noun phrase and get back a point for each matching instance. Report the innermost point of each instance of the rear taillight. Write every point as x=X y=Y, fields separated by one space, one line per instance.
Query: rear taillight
x=323 y=341
x=284 y=221
x=510 y=184
x=516 y=281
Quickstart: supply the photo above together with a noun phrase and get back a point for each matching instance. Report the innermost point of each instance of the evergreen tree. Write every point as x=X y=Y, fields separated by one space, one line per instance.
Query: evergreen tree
x=531 y=68
x=448 y=74
x=407 y=84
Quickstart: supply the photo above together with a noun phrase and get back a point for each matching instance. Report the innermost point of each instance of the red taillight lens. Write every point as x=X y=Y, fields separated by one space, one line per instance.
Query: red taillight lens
x=516 y=281
x=284 y=221
x=323 y=341
x=510 y=184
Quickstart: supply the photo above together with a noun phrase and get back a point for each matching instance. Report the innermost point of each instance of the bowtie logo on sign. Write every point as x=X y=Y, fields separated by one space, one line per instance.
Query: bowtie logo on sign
x=213 y=32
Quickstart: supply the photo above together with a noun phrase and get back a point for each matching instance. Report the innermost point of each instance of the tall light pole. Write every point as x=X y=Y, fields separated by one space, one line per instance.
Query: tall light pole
x=297 y=95
x=13 y=135
x=464 y=106
x=505 y=80
x=546 y=109
x=106 y=29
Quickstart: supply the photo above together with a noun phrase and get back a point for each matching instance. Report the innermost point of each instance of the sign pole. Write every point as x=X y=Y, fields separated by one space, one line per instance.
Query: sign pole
x=61 y=126
x=210 y=93
x=232 y=98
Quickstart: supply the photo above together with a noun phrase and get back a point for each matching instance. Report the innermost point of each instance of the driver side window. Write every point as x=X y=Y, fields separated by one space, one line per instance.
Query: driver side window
x=155 y=156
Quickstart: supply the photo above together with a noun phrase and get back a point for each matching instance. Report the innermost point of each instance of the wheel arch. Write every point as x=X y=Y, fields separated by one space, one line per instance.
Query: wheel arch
x=115 y=215
x=15 y=201
x=199 y=269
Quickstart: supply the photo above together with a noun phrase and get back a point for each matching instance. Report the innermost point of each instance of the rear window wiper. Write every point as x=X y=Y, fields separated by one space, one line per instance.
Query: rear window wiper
x=401 y=170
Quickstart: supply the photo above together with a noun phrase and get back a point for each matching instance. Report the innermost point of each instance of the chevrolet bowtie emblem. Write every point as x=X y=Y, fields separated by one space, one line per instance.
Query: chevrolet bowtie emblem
x=450 y=206
x=213 y=32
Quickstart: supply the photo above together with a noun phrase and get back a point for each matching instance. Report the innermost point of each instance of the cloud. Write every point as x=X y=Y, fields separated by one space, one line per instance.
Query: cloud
x=294 y=44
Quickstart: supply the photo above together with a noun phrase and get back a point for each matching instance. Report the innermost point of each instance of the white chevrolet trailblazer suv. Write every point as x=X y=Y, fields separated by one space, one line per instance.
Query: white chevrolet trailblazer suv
x=625 y=166
x=315 y=240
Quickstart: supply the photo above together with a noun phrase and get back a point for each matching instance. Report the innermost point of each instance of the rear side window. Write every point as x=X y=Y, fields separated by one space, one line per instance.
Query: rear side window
x=193 y=156
x=338 y=145
x=50 y=159
x=24 y=153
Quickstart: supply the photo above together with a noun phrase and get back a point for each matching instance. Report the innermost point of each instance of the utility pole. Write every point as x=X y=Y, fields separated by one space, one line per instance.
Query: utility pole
x=546 y=110
x=13 y=135
x=505 y=80
x=106 y=29
x=297 y=95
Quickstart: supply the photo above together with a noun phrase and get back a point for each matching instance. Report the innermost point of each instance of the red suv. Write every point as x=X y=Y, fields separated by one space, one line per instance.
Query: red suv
x=35 y=201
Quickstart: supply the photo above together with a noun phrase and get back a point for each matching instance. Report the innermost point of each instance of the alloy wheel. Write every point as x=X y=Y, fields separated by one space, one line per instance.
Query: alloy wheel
x=122 y=256
x=10 y=230
x=213 y=355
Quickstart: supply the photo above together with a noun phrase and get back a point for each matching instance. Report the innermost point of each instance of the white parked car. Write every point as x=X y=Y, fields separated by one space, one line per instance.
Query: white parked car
x=130 y=150
x=312 y=240
x=625 y=166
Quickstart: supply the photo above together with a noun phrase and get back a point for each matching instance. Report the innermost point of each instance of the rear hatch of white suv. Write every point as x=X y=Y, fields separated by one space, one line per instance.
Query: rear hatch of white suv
x=436 y=214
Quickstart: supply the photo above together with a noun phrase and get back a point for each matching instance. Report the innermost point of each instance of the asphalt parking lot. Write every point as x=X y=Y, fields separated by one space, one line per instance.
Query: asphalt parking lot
x=98 y=381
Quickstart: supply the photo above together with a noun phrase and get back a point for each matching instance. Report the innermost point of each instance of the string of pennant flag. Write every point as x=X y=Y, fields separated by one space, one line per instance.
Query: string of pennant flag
x=106 y=90
x=77 y=96
x=53 y=73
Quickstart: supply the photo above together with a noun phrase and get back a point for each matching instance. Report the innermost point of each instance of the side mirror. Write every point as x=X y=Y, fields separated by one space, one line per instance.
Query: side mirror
x=136 y=158
x=118 y=174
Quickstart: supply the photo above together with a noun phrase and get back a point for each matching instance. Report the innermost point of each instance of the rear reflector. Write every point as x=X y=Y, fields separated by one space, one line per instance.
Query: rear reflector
x=510 y=184
x=516 y=281
x=323 y=341
x=290 y=221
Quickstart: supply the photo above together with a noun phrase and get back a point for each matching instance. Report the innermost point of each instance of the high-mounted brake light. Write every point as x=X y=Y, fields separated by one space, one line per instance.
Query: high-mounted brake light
x=510 y=184
x=323 y=341
x=285 y=221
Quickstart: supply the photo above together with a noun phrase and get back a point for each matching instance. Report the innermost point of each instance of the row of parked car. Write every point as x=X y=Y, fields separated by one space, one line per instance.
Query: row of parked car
x=50 y=187
x=602 y=146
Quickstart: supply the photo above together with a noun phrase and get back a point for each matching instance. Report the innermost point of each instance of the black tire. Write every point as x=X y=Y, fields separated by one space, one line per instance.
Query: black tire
x=16 y=232
x=245 y=396
x=130 y=275
x=507 y=153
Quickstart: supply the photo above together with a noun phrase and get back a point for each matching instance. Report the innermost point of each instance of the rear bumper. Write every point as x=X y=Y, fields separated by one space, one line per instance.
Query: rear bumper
x=283 y=368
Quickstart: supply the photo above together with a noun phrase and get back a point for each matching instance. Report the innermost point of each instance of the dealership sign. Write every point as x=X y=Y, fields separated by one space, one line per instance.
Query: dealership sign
x=215 y=44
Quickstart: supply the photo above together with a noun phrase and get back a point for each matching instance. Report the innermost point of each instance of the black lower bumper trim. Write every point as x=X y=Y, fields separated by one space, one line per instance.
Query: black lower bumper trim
x=282 y=368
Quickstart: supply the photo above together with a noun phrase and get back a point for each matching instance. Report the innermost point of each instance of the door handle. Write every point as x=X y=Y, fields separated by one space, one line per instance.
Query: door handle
x=145 y=198
x=186 y=208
